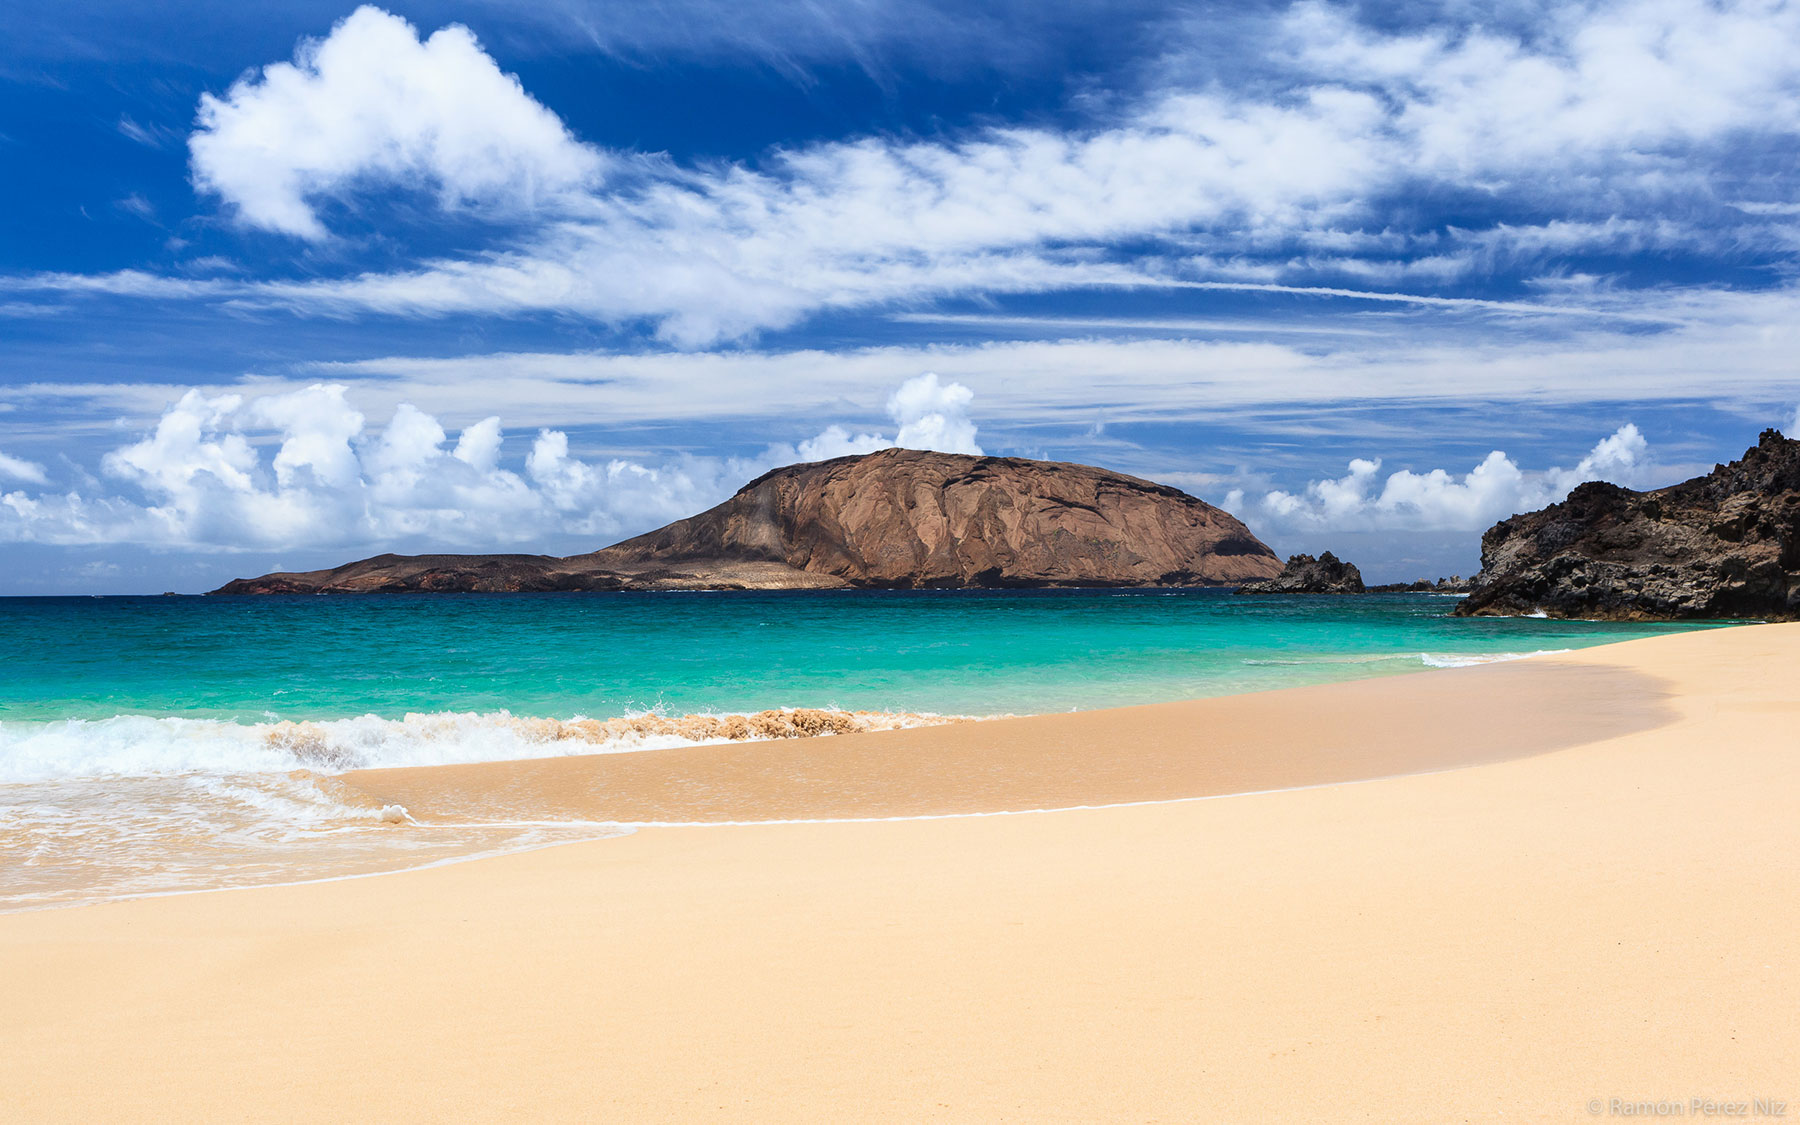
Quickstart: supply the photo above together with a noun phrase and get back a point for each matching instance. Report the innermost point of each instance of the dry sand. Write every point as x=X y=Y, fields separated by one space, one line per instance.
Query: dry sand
x=1612 y=917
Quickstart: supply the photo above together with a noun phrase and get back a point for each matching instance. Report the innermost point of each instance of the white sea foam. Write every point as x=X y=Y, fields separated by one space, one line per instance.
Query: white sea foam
x=138 y=745
x=1470 y=659
x=1322 y=659
x=76 y=840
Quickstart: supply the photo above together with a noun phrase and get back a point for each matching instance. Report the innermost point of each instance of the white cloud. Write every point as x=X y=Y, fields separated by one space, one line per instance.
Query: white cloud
x=930 y=414
x=1608 y=107
x=836 y=441
x=933 y=415
x=1733 y=348
x=1720 y=345
x=479 y=445
x=1793 y=427
x=207 y=477
x=135 y=204
x=1362 y=500
x=1596 y=82
x=19 y=469
x=372 y=103
x=152 y=135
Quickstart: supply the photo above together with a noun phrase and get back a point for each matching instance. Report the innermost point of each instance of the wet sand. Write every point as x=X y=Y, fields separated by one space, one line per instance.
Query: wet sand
x=1567 y=919
x=1239 y=744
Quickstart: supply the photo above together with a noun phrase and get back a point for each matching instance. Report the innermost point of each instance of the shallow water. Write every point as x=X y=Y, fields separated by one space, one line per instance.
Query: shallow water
x=150 y=745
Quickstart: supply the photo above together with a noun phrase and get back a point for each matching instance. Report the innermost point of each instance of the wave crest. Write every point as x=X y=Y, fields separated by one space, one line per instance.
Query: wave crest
x=140 y=745
x=1470 y=659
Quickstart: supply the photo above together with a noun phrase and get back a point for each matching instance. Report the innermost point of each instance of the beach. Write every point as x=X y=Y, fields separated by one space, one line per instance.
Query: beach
x=1551 y=889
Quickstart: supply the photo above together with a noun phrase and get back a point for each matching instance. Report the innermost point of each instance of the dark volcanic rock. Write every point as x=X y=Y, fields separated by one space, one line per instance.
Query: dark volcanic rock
x=1454 y=585
x=1304 y=574
x=1723 y=545
x=898 y=518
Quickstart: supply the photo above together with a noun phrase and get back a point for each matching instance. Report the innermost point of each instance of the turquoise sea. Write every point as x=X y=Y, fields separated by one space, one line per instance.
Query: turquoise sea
x=127 y=723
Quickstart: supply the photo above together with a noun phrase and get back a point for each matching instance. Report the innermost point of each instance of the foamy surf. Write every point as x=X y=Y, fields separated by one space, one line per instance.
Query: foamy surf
x=93 y=810
x=138 y=745
x=86 y=840
x=1471 y=659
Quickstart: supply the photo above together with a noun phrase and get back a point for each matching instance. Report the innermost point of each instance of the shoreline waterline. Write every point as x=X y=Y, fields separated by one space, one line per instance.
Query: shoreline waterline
x=996 y=766
x=168 y=744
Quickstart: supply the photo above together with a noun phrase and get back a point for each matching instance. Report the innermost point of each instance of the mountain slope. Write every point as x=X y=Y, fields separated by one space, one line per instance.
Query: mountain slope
x=898 y=518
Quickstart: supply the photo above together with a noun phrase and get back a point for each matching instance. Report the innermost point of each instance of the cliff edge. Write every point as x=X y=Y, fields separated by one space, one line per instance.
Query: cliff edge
x=1723 y=545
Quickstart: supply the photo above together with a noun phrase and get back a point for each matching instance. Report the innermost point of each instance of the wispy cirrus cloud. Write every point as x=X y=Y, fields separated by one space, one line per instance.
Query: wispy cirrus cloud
x=18 y=468
x=1053 y=371
x=1607 y=129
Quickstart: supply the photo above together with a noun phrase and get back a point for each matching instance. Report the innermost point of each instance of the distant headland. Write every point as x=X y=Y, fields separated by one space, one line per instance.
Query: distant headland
x=1722 y=545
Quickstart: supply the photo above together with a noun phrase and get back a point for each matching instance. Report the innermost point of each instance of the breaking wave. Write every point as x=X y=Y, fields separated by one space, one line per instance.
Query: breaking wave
x=1470 y=659
x=140 y=745
x=92 y=810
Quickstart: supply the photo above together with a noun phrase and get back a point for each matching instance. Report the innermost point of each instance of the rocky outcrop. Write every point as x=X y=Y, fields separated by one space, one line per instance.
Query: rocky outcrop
x=1724 y=545
x=1304 y=574
x=898 y=518
x=1456 y=584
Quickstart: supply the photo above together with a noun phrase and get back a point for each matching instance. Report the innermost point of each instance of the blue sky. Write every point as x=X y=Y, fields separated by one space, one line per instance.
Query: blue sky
x=287 y=284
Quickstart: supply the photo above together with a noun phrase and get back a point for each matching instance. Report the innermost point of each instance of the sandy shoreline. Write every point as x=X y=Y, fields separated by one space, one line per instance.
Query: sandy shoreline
x=1301 y=736
x=1583 y=912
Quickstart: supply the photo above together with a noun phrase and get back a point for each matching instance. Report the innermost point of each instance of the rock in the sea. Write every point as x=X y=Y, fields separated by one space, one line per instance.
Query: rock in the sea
x=1456 y=584
x=898 y=518
x=1719 y=546
x=1304 y=574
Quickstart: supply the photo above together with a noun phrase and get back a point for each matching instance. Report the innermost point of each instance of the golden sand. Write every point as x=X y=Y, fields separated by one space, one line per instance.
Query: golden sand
x=1611 y=917
x=1269 y=740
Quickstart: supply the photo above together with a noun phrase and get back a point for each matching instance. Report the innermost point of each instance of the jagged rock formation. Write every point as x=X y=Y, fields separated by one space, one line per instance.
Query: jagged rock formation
x=1304 y=574
x=1723 y=545
x=898 y=518
x=1455 y=584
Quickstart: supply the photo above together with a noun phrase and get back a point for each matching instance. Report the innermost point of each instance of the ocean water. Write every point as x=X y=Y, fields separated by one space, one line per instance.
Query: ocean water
x=154 y=745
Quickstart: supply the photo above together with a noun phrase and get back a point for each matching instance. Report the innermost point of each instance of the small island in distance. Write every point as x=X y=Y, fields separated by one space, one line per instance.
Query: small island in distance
x=893 y=519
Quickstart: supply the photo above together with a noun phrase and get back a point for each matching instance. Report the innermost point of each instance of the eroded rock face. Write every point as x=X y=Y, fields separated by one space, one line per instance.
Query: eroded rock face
x=1723 y=545
x=906 y=518
x=898 y=518
x=1304 y=574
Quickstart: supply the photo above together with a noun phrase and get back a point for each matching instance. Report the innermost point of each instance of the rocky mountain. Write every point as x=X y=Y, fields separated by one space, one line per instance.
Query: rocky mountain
x=1304 y=574
x=898 y=518
x=1726 y=544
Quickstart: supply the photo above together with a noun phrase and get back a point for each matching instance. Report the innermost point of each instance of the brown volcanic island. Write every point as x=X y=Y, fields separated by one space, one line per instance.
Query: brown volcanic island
x=899 y=518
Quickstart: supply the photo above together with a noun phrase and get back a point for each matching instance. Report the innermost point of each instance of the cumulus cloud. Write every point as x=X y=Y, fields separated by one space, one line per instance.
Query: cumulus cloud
x=930 y=414
x=836 y=441
x=1363 y=500
x=373 y=104
x=933 y=415
x=304 y=469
